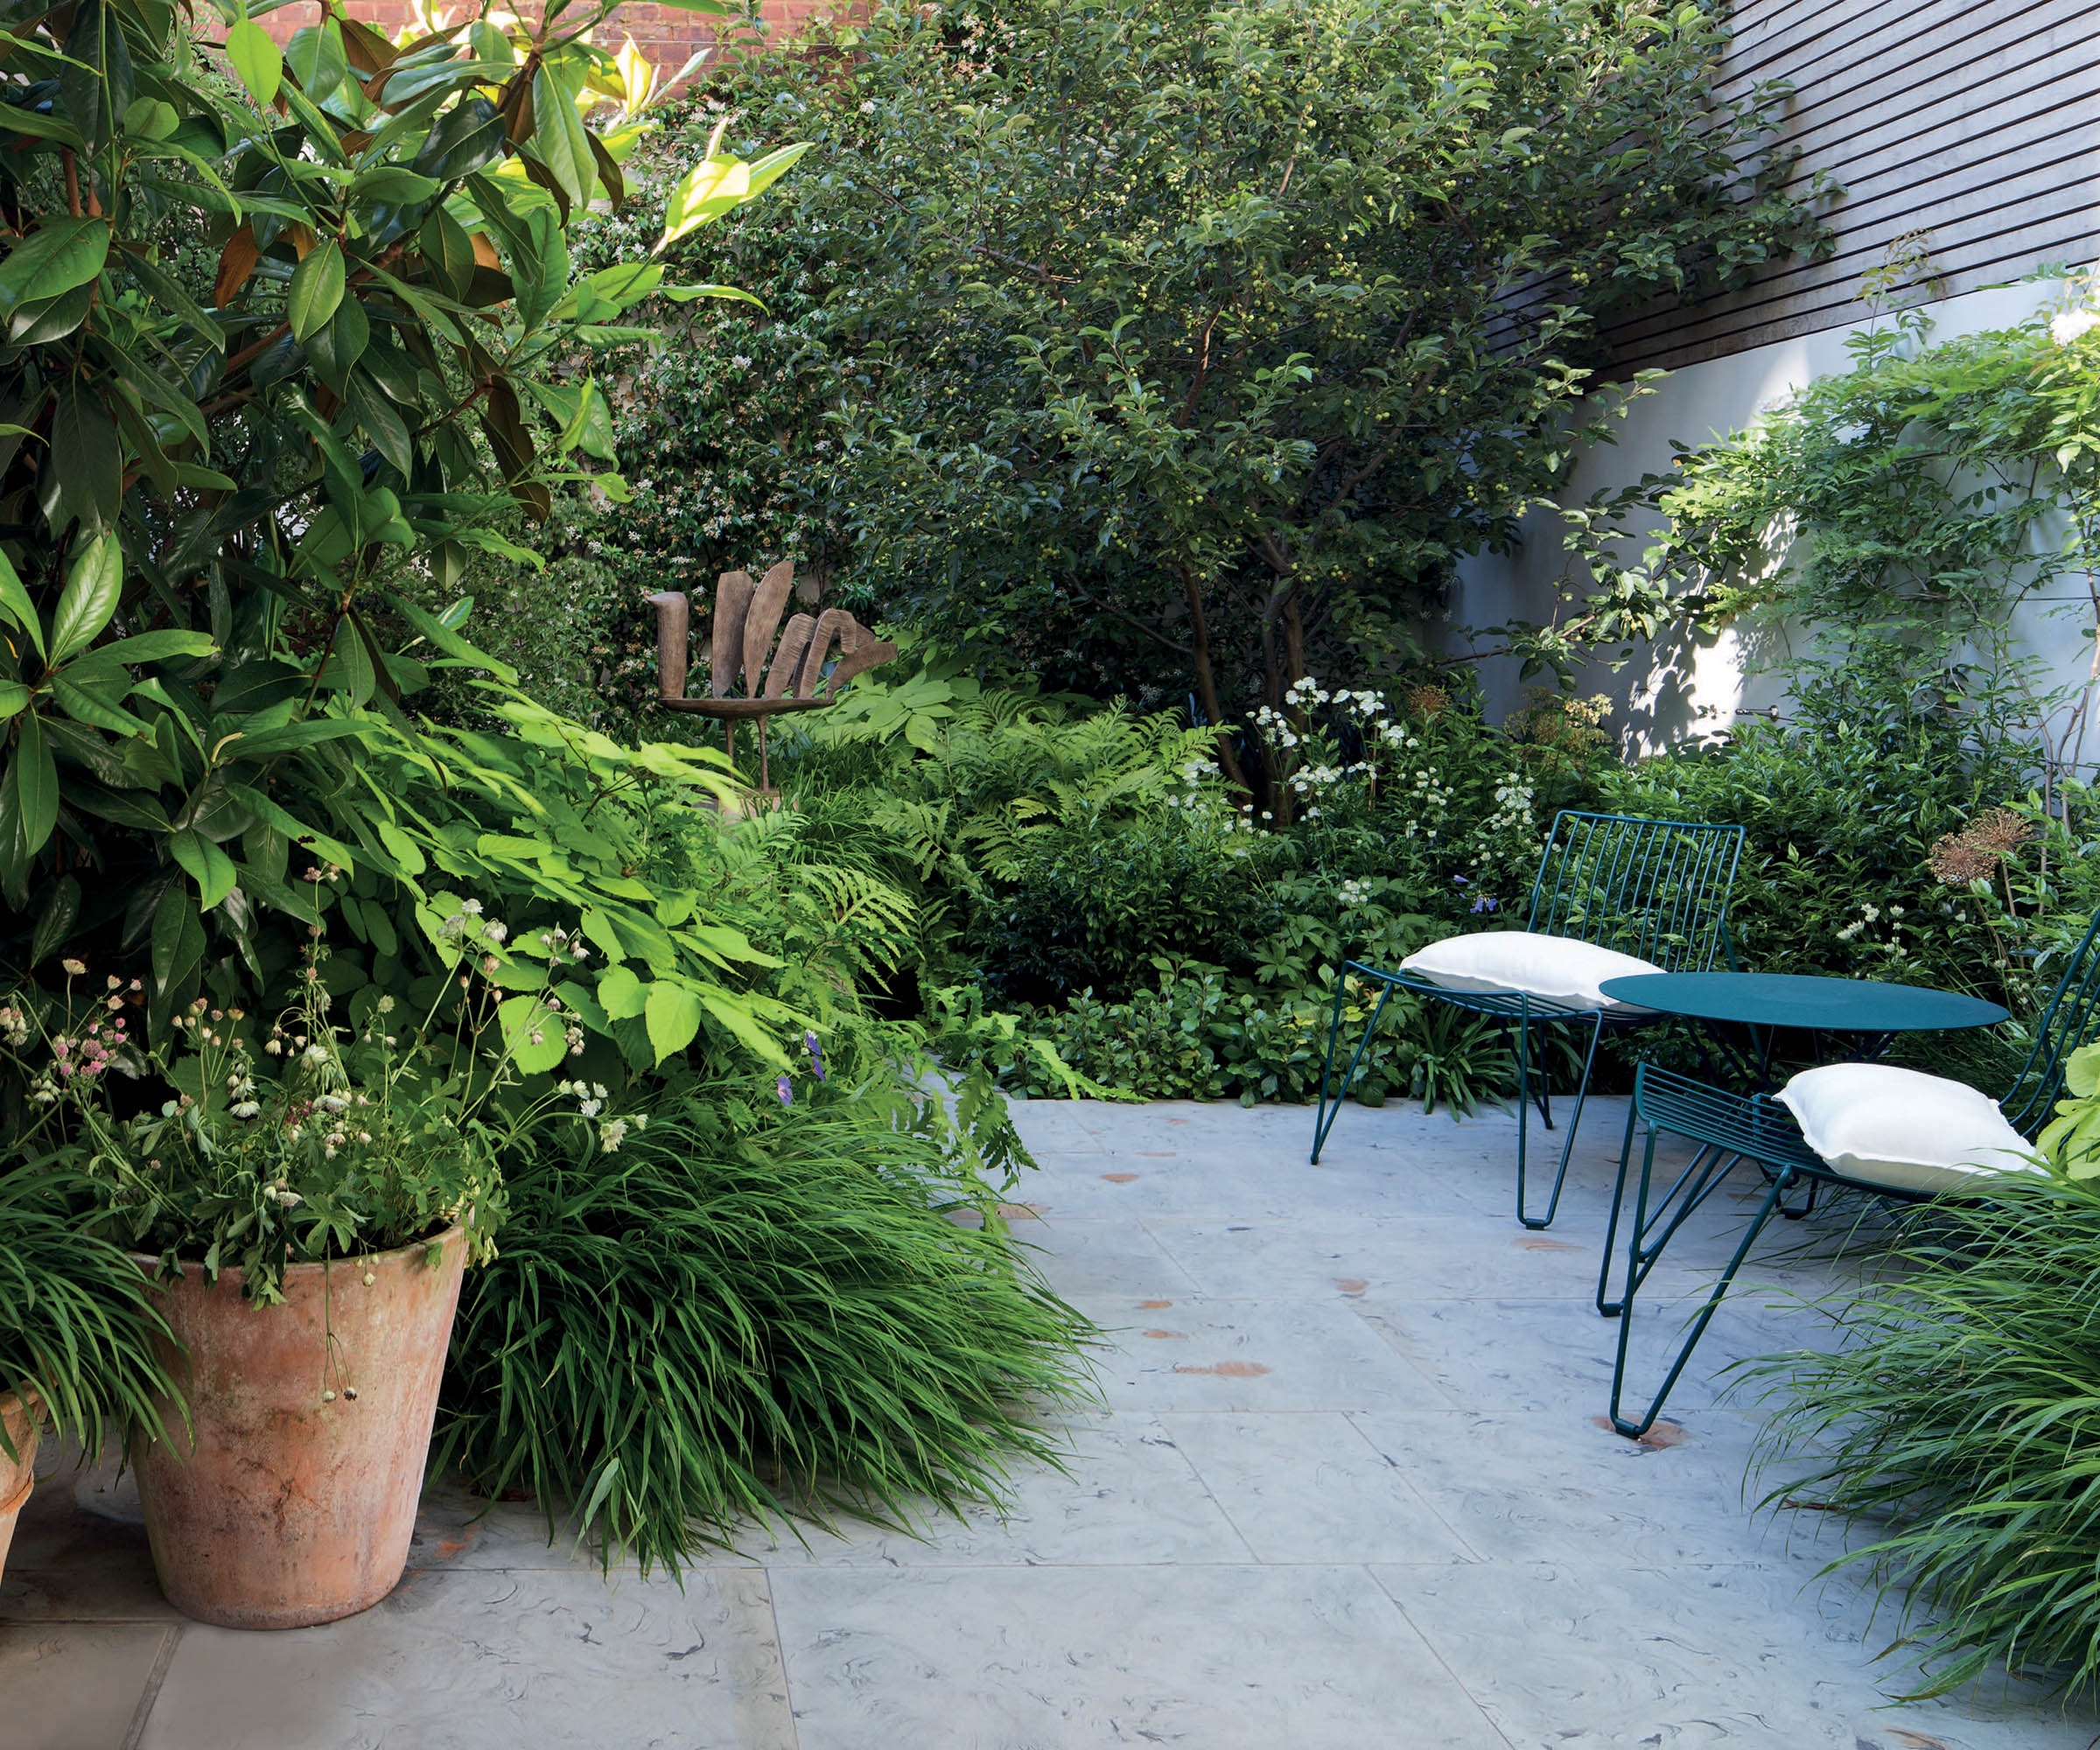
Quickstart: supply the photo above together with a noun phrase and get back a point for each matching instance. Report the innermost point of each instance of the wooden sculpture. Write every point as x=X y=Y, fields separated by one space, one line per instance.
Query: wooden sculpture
x=745 y=617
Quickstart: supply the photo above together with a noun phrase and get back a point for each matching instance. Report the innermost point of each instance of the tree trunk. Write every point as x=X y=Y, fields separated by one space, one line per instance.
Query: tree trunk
x=1206 y=683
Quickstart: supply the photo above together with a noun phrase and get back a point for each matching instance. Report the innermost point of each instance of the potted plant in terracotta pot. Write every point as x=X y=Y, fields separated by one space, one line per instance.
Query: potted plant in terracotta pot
x=80 y=1340
x=301 y=1192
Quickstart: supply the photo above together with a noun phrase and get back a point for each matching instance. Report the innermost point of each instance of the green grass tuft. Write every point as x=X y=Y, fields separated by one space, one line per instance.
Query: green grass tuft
x=700 y=1330
x=1961 y=1421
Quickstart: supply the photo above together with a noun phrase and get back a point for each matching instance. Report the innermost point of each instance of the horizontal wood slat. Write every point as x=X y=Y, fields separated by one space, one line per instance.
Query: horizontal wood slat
x=1974 y=122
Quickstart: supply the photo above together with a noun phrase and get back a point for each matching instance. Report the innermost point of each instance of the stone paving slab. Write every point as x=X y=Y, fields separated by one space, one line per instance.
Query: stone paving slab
x=1349 y=1487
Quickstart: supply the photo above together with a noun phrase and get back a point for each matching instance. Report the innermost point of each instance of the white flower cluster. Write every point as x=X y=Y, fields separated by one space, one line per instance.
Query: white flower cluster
x=2073 y=324
x=1861 y=927
x=1513 y=799
x=1275 y=728
x=591 y=1096
x=1425 y=793
x=1354 y=892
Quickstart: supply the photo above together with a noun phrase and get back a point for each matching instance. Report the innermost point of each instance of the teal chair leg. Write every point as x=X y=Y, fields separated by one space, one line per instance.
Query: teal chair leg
x=1545 y=1112
x=1330 y=1104
x=1702 y=1176
x=1637 y=1269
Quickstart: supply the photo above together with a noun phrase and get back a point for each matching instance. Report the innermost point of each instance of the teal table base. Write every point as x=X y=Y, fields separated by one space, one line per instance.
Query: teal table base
x=1727 y=1128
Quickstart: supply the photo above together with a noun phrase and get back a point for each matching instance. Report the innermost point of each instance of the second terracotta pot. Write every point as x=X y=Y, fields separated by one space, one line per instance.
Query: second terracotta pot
x=20 y=1416
x=296 y=1500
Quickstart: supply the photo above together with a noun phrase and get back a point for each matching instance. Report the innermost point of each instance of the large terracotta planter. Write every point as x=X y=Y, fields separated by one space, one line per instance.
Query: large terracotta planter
x=21 y=1419
x=312 y=1422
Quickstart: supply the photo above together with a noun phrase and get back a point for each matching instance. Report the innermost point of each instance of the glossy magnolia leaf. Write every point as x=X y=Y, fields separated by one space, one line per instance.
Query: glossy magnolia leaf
x=706 y=191
x=36 y=781
x=172 y=295
x=158 y=647
x=686 y=294
x=86 y=478
x=60 y=912
x=447 y=250
x=150 y=118
x=14 y=699
x=177 y=940
x=316 y=289
x=205 y=864
x=558 y=139
x=90 y=600
x=316 y=58
x=393 y=183
x=768 y=170
x=461 y=141
x=256 y=58
x=94 y=706
x=16 y=606
x=58 y=256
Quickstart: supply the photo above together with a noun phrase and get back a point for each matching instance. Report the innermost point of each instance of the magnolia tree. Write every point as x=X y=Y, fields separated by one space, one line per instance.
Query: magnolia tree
x=1203 y=341
x=283 y=326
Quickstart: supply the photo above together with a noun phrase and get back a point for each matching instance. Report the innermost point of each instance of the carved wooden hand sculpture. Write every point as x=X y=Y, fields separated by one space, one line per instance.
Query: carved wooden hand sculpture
x=744 y=618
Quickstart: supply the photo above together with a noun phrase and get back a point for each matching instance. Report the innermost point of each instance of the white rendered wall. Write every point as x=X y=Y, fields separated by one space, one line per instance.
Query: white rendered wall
x=1694 y=687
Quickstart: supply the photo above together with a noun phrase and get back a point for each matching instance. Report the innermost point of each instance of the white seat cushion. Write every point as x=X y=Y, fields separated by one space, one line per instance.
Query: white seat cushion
x=1508 y=961
x=1903 y=1128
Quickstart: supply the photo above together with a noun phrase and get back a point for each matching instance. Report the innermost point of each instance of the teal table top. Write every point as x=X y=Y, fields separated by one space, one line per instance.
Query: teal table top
x=1785 y=999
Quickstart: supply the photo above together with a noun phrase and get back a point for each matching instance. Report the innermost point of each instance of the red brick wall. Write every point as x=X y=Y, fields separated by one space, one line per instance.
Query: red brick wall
x=667 y=35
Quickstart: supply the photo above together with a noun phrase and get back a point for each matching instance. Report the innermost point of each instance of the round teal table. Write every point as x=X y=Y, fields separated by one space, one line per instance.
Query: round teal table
x=1870 y=1013
x=1787 y=999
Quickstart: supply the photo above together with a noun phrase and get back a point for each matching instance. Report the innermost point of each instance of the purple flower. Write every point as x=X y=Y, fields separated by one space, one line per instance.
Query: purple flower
x=1484 y=904
x=786 y=1090
x=1458 y=881
x=817 y=1055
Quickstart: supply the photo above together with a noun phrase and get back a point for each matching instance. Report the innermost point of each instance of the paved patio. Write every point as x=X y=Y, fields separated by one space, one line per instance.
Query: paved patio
x=1348 y=1490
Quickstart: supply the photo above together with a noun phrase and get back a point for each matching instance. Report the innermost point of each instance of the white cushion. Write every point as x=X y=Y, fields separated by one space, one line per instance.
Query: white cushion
x=1512 y=961
x=1903 y=1128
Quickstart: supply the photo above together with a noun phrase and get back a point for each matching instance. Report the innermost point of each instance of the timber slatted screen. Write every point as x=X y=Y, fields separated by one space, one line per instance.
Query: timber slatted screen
x=1975 y=122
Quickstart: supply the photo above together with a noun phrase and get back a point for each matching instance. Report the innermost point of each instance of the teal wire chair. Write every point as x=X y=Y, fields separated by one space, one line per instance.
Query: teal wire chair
x=1727 y=1128
x=1658 y=890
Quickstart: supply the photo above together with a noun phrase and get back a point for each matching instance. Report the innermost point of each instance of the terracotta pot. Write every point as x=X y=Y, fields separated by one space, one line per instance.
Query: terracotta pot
x=21 y=1419
x=313 y=1423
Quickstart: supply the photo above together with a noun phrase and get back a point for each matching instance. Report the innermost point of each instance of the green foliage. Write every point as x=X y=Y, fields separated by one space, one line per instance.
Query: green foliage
x=742 y=1317
x=211 y=489
x=1914 y=518
x=1136 y=343
x=77 y=1329
x=1887 y=838
x=1091 y=872
x=1960 y=1418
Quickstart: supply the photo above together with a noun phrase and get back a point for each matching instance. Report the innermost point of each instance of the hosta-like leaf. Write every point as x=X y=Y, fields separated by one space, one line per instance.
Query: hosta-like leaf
x=673 y=1015
x=535 y=1036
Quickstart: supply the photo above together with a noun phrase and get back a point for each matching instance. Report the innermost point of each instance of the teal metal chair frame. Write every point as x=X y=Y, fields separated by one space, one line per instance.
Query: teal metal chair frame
x=1729 y=1128
x=1656 y=889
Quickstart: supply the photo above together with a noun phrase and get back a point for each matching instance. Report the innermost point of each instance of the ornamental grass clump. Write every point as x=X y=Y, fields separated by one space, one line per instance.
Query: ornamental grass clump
x=741 y=1317
x=1960 y=1422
